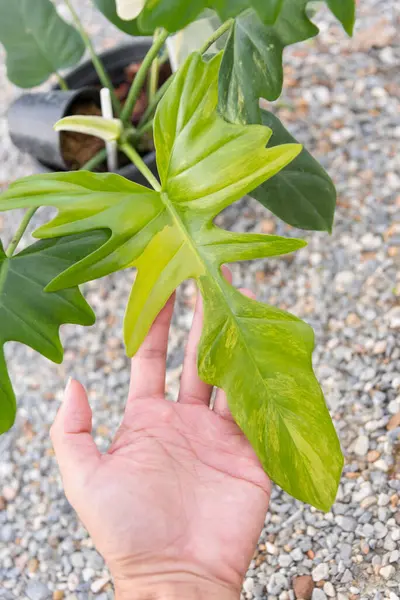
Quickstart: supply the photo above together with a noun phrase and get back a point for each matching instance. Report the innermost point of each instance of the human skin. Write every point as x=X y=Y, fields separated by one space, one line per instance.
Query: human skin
x=177 y=504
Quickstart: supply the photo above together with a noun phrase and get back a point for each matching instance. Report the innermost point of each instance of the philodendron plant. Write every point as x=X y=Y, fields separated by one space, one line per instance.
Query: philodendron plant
x=214 y=145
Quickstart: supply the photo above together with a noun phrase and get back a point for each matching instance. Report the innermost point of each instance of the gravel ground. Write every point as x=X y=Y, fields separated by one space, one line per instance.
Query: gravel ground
x=341 y=100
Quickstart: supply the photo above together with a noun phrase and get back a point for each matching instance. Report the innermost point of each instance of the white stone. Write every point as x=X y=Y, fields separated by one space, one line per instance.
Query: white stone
x=361 y=445
x=98 y=585
x=271 y=549
x=329 y=589
x=248 y=585
x=387 y=572
x=383 y=499
x=88 y=574
x=394 y=406
x=343 y=280
x=381 y=465
x=320 y=572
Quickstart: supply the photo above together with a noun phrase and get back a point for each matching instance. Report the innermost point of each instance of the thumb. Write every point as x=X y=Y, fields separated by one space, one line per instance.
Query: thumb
x=76 y=452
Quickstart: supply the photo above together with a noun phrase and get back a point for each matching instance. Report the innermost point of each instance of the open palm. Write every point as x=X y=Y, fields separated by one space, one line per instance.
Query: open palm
x=180 y=497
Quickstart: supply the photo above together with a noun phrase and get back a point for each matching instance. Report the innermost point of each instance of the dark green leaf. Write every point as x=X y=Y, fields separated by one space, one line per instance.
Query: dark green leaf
x=302 y=194
x=108 y=8
x=229 y=8
x=268 y=10
x=252 y=63
x=173 y=15
x=37 y=41
x=345 y=12
x=29 y=315
x=251 y=68
x=259 y=355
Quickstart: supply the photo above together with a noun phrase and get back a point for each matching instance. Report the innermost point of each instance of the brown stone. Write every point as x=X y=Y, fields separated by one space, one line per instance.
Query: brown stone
x=33 y=565
x=373 y=455
x=58 y=595
x=303 y=587
x=394 y=422
x=268 y=226
x=3 y=503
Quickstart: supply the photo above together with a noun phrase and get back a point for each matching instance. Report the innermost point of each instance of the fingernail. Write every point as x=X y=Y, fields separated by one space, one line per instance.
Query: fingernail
x=67 y=387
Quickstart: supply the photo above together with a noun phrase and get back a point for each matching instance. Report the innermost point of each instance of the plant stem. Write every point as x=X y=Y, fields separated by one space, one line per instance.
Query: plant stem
x=154 y=73
x=140 y=165
x=98 y=65
x=62 y=83
x=140 y=78
x=216 y=35
x=153 y=105
x=95 y=161
x=144 y=128
x=20 y=231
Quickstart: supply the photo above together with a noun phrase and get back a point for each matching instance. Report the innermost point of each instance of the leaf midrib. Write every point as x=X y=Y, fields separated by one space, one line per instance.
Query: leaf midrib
x=204 y=263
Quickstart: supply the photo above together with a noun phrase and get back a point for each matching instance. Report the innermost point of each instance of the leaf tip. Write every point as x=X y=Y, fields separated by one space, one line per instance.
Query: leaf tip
x=109 y=130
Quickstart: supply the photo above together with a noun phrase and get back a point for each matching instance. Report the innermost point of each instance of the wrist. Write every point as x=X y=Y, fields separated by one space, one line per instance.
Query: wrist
x=173 y=587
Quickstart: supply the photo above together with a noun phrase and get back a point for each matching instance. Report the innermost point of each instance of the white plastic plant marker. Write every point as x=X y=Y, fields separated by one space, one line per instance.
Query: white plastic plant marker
x=129 y=9
x=107 y=112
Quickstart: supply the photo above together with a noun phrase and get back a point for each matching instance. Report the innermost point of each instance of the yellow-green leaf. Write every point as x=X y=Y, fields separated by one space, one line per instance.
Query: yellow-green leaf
x=106 y=129
x=260 y=355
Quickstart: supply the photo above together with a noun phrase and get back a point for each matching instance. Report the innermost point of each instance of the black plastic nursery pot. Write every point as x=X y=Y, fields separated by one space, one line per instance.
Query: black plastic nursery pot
x=32 y=116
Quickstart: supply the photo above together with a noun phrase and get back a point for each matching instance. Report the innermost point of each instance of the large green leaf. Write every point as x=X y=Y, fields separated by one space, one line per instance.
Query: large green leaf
x=29 y=315
x=302 y=194
x=173 y=15
x=108 y=8
x=260 y=355
x=252 y=65
x=268 y=11
x=345 y=12
x=37 y=41
x=176 y=14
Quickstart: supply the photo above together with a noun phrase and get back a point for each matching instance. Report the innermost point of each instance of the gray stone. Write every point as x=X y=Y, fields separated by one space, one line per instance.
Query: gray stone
x=361 y=445
x=347 y=576
x=285 y=560
x=297 y=554
x=346 y=523
x=77 y=560
x=7 y=533
x=380 y=530
x=36 y=590
x=345 y=551
x=318 y=594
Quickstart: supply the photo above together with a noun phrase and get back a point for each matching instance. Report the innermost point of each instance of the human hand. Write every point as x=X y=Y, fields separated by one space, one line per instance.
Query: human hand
x=177 y=504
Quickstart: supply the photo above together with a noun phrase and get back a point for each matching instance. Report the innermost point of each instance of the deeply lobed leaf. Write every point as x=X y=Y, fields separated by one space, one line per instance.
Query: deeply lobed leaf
x=259 y=355
x=37 y=41
x=30 y=316
x=252 y=65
